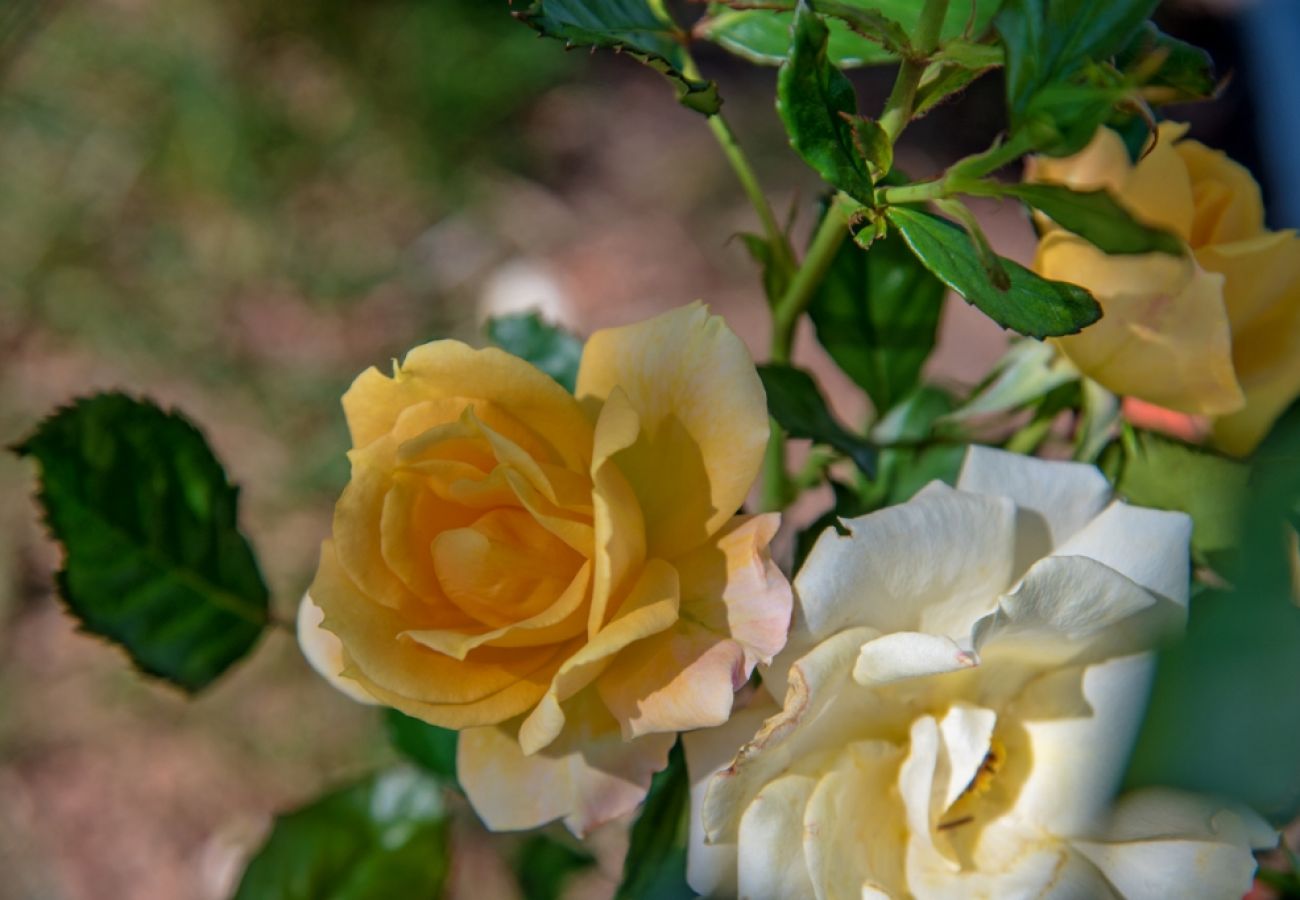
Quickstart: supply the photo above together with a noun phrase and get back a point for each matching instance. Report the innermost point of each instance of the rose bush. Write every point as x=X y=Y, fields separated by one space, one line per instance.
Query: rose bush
x=562 y=578
x=962 y=687
x=1215 y=333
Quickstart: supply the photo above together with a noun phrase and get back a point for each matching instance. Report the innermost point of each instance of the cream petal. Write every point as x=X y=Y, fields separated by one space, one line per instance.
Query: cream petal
x=711 y=868
x=916 y=783
x=618 y=526
x=1062 y=496
x=771 y=859
x=934 y=564
x=587 y=777
x=965 y=732
x=324 y=651
x=909 y=654
x=703 y=416
x=1149 y=546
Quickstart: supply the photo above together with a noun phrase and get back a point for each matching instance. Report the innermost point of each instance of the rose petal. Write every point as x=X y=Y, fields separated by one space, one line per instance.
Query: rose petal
x=324 y=651
x=772 y=820
x=1149 y=546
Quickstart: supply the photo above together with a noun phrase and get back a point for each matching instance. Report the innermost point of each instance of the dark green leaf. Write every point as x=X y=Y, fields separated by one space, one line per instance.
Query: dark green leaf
x=763 y=35
x=817 y=105
x=877 y=313
x=1032 y=305
x=1047 y=41
x=551 y=349
x=1166 y=474
x=1172 y=71
x=655 y=868
x=384 y=837
x=945 y=81
x=1097 y=217
x=433 y=748
x=544 y=866
x=795 y=402
x=154 y=559
x=628 y=26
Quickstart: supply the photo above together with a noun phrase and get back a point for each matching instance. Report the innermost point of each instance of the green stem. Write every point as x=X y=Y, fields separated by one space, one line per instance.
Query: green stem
x=963 y=176
x=902 y=99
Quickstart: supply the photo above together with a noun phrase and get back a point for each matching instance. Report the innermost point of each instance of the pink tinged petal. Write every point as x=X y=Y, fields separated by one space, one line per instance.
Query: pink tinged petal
x=933 y=564
x=1053 y=498
x=771 y=859
x=588 y=777
x=909 y=654
x=1149 y=546
x=711 y=868
x=651 y=607
x=324 y=651
x=854 y=830
x=703 y=415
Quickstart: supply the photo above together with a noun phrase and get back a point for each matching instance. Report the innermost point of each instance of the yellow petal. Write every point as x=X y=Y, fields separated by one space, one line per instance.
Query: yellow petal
x=1164 y=337
x=1258 y=274
x=1268 y=363
x=619 y=530
x=703 y=415
x=589 y=776
x=448 y=370
x=1159 y=190
x=324 y=651
x=1226 y=196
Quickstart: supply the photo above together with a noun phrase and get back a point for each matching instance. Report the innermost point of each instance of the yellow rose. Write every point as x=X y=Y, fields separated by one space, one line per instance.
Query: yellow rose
x=1214 y=334
x=563 y=578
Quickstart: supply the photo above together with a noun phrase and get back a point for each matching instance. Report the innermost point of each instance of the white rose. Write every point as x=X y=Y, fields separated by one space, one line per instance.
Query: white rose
x=963 y=685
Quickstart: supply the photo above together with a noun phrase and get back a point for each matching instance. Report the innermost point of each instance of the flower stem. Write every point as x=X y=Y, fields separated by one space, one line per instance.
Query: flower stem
x=899 y=106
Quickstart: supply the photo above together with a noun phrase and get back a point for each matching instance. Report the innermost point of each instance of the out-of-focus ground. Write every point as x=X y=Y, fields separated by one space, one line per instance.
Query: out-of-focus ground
x=234 y=207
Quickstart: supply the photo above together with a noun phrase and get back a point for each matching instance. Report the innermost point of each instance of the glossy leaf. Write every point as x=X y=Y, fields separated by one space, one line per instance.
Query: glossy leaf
x=431 y=747
x=1032 y=305
x=1047 y=41
x=877 y=314
x=818 y=105
x=795 y=402
x=655 y=867
x=153 y=556
x=1095 y=216
x=633 y=27
x=544 y=866
x=550 y=348
x=763 y=35
x=383 y=837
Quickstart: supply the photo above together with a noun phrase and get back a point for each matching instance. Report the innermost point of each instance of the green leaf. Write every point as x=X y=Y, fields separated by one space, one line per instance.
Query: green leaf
x=818 y=105
x=847 y=505
x=1047 y=41
x=1032 y=305
x=634 y=27
x=383 y=837
x=918 y=420
x=775 y=272
x=795 y=402
x=1095 y=216
x=1167 y=474
x=433 y=748
x=655 y=868
x=939 y=83
x=1026 y=373
x=763 y=35
x=153 y=557
x=545 y=865
x=1172 y=71
x=877 y=314
x=548 y=347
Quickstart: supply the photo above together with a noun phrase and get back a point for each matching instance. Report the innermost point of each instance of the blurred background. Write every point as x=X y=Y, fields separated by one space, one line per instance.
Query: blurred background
x=234 y=206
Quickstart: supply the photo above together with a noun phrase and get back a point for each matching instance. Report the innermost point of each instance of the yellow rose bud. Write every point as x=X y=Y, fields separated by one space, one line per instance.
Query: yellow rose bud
x=565 y=579
x=1216 y=333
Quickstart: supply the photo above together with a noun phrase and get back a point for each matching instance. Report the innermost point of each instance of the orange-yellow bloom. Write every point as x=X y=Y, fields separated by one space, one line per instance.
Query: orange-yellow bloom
x=563 y=579
x=1214 y=334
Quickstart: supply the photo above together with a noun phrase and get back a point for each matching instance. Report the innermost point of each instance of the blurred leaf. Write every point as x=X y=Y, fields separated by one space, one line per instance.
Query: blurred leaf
x=877 y=314
x=1064 y=117
x=544 y=866
x=795 y=402
x=1167 y=474
x=847 y=505
x=1095 y=216
x=1184 y=71
x=940 y=83
x=550 y=348
x=383 y=837
x=634 y=27
x=1047 y=41
x=763 y=35
x=1032 y=305
x=1025 y=373
x=655 y=868
x=433 y=748
x=1223 y=718
x=153 y=556
x=817 y=105
x=775 y=273
x=918 y=420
